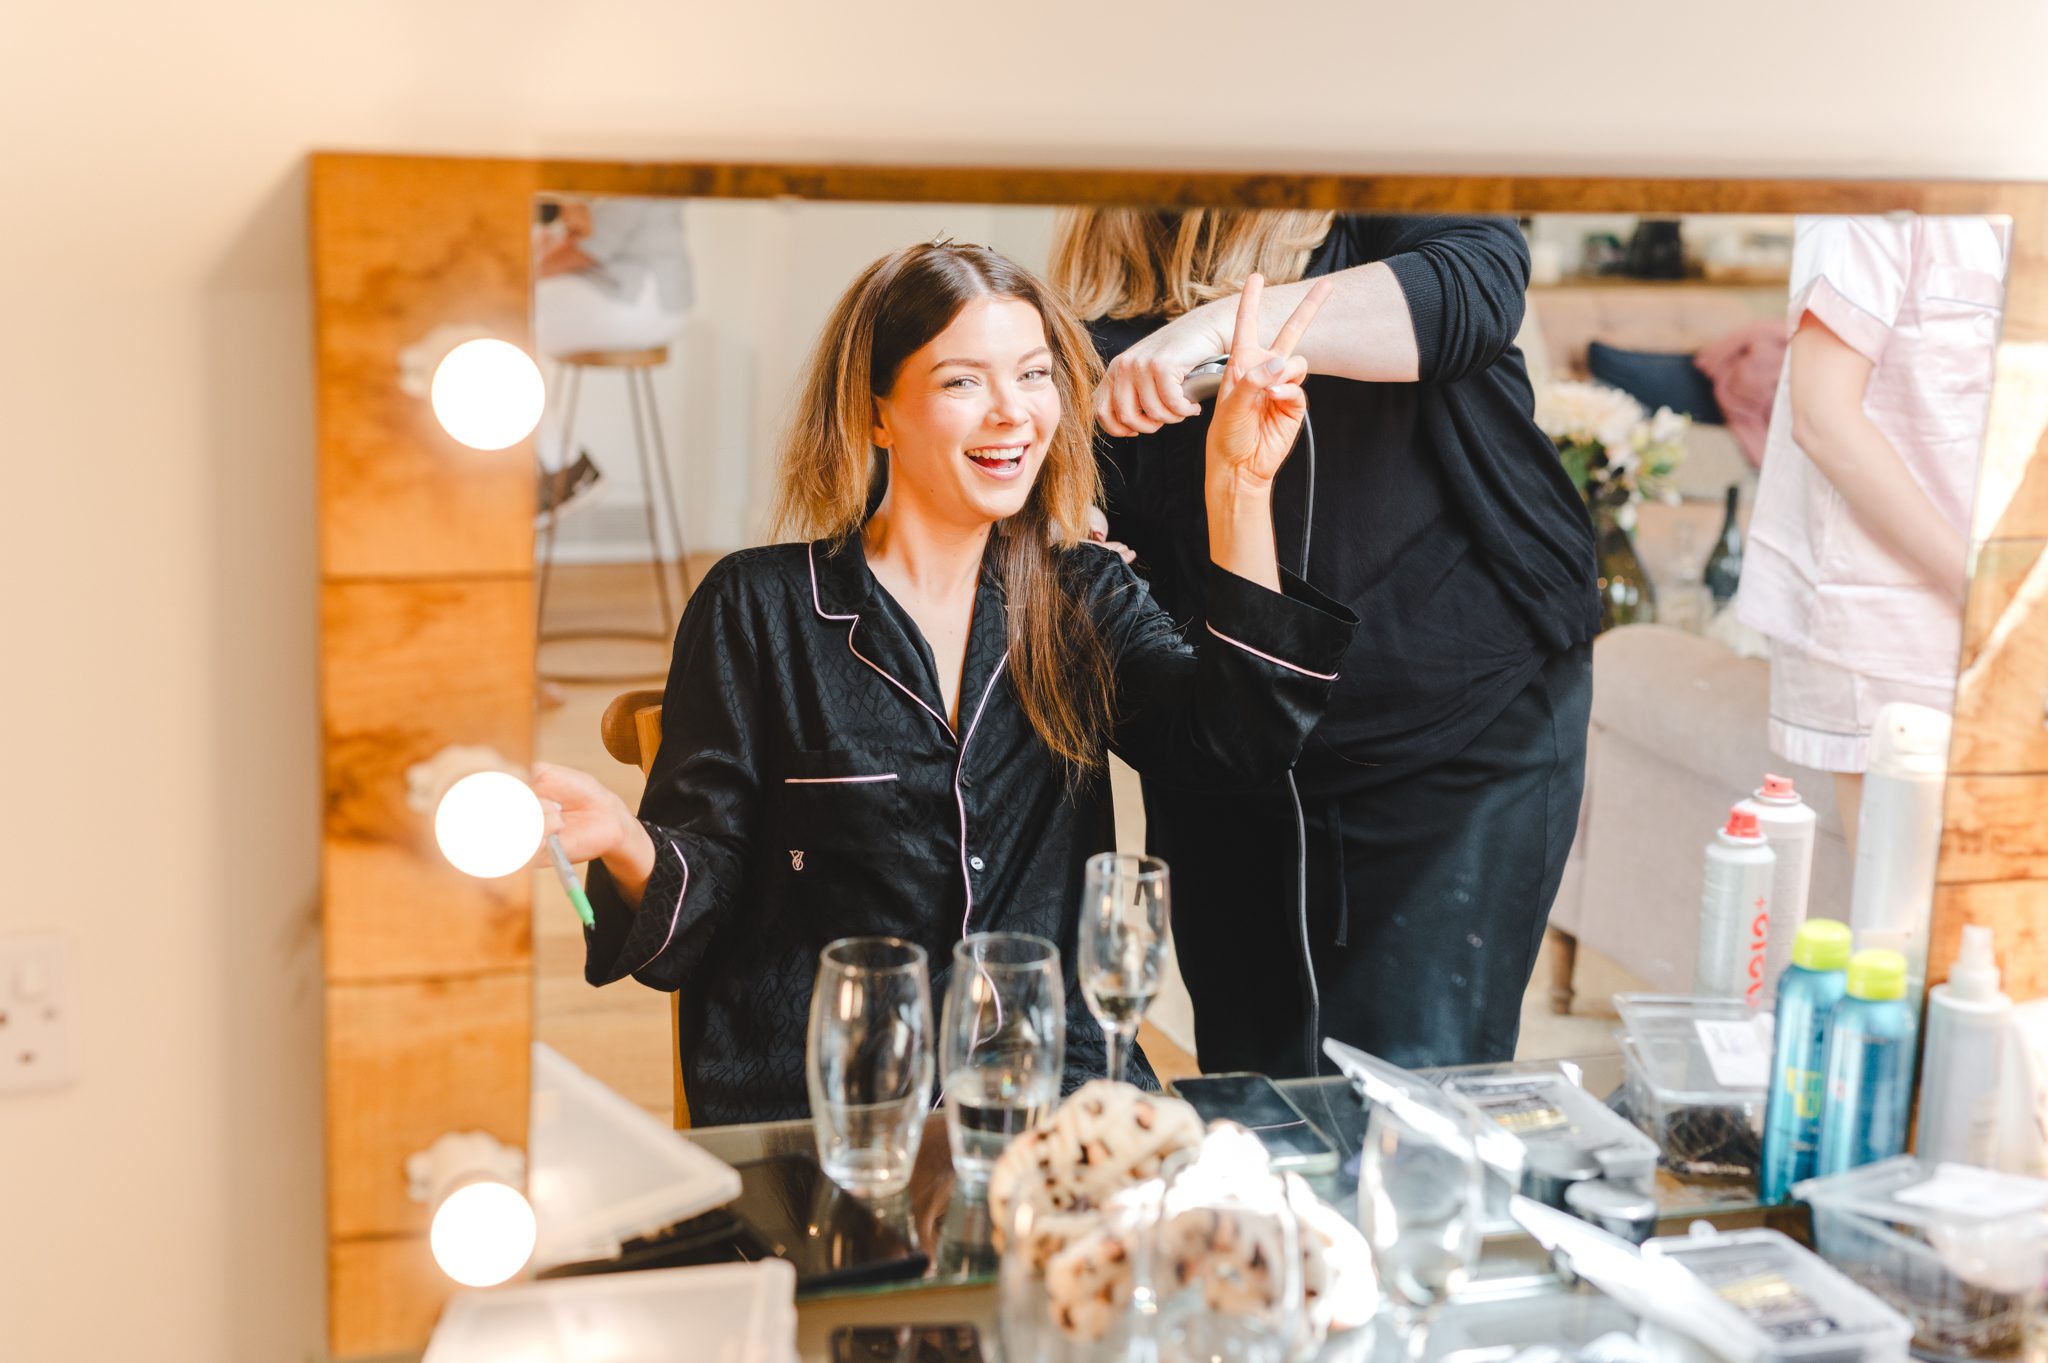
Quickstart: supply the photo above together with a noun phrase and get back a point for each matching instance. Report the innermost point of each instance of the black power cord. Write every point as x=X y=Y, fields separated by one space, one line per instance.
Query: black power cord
x=1310 y=1051
x=1201 y=384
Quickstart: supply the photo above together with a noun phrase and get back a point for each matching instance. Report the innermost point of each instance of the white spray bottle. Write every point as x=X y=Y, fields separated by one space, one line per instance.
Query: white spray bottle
x=1967 y=1019
x=1899 y=835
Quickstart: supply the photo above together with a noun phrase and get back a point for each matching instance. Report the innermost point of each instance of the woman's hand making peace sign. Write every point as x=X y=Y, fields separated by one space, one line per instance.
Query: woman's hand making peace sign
x=1261 y=404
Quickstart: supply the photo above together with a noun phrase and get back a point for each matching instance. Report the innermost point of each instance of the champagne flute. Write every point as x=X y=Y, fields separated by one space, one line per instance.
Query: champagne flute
x=1002 y=1044
x=1420 y=1204
x=1123 y=943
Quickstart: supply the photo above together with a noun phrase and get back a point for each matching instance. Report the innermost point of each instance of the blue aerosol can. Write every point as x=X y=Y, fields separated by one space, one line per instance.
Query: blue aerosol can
x=1808 y=990
x=1869 y=1085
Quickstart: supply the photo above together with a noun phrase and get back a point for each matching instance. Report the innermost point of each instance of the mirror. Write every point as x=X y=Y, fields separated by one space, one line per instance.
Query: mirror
x=427 y=558
x=1666 y=337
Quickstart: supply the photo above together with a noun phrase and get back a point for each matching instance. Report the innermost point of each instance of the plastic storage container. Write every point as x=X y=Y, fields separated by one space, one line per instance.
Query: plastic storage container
x=737 y=1313
x=1547 y=1111
x=1697 y=1073
x=603 y=1171
x=1769 y=1300
x=1960 y=1250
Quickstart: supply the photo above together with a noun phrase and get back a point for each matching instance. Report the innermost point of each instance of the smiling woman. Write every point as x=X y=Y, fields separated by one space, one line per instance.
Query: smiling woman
x=964 y=353
x=899 y=728
x=967 y=437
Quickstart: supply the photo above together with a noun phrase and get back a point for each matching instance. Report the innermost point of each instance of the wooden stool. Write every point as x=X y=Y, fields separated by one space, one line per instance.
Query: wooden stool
x=638 y=367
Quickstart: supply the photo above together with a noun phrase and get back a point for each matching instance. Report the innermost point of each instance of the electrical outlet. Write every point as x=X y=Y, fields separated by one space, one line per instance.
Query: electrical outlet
x=35 y=1014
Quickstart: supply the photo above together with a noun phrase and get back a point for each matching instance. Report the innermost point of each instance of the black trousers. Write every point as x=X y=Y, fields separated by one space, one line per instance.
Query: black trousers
x=1427 y=897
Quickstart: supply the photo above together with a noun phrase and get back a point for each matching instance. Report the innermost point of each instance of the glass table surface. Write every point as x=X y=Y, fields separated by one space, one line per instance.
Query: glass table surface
x=951 y=1224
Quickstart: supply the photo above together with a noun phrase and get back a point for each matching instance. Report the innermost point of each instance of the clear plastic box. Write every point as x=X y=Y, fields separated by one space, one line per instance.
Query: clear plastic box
x=1541 y=1108
x=1961 y=1251
x=1697 y=1074
x=1539 y=1105
x=602 y=1171
x=736 y=1313
x=1771 y=1300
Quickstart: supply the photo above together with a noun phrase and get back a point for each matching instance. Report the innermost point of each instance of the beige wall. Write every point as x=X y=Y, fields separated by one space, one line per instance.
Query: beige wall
x=157 y=707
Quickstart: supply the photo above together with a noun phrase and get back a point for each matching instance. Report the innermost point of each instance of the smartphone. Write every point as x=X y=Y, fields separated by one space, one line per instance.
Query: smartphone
x=1256 y=1103
x=906 y=1344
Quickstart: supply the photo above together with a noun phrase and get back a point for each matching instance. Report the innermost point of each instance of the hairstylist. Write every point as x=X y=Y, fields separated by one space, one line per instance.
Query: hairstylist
x=899 y=727
x=1441 y=790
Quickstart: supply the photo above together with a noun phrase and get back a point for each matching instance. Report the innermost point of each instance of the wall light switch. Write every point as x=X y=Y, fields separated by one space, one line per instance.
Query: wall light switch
x=35 y=1014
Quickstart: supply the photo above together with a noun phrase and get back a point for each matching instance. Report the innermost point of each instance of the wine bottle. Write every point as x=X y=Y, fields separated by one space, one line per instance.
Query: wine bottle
x=1724 y=565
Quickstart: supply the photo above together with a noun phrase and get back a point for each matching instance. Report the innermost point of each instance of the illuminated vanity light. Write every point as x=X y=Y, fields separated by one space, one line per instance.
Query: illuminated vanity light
x=488 y=394
x=483 y=1233
x=484 y=1229
x=489 y=824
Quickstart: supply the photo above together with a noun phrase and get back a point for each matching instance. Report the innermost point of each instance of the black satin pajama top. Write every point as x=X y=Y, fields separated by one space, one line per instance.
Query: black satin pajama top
x=808 y=788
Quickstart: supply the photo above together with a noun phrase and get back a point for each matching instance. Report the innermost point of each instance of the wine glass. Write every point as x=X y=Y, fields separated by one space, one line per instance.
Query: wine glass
x=1123 y=945
x=868 y=1062
x=1002 y=1044
x=1420 y=1204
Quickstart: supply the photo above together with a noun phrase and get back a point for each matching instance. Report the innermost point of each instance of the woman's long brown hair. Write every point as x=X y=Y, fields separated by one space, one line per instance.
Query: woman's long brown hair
x=1144 y=262
x=1059 y=665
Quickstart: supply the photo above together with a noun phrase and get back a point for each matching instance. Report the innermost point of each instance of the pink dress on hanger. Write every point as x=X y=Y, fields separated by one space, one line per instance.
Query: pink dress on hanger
x=1852 y=625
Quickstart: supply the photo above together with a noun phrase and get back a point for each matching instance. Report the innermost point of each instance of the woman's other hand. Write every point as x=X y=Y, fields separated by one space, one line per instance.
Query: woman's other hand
x=1098 y=533
x=590 y=820
x=1260 y=406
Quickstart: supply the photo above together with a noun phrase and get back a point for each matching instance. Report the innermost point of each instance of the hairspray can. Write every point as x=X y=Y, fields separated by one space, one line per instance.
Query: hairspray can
x=1787 y=823
x=1735 y=911
x=1813 y=983
x=1869 y=1086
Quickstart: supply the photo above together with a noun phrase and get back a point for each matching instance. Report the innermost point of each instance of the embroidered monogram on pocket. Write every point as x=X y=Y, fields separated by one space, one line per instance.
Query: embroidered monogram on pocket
x=834 y=810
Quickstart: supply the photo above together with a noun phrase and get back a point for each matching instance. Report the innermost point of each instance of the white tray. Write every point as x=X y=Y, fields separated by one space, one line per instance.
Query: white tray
x=719 y=1313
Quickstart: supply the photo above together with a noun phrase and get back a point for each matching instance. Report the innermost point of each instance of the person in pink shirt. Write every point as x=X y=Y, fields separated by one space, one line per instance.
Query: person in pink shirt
x=1859 y=540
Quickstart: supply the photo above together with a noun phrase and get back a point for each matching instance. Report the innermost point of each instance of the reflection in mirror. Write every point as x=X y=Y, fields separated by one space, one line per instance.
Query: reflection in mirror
x=1631 y=513
x=1848 y=475
x=754 y=283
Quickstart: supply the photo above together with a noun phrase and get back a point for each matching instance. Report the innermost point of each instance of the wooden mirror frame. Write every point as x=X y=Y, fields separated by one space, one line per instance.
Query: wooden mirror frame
x=427 y=632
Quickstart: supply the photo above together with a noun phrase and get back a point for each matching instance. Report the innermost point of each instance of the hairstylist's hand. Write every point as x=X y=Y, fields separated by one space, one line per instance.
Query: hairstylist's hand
x=1141 y=389
x=591 y=821
x=1261 y=404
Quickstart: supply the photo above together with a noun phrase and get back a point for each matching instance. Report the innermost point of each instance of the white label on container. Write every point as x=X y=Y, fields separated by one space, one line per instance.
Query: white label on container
x=1969 y=1191
x=1740 y=1052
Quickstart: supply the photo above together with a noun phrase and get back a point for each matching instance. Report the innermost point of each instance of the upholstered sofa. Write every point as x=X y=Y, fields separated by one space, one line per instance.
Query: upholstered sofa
x=1678 y=735
x=1679 y=720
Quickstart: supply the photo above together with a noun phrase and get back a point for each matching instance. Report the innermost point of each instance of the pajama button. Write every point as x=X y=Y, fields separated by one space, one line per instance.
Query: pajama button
x=976 y=862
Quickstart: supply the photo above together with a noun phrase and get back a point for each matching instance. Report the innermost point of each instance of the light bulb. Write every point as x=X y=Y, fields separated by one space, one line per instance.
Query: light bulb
x=489 y=824
x=488 y=394
x=483 y=1233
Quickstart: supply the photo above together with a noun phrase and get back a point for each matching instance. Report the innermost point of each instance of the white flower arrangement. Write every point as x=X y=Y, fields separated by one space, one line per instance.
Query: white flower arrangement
x=1615 y=450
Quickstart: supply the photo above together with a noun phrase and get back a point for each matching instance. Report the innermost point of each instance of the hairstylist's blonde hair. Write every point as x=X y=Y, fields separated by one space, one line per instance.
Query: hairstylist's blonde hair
x=1058 y=663
x=1144 y=262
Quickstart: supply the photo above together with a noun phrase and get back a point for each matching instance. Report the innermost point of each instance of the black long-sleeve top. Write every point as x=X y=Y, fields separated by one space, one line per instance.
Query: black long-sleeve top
x=1442 y=515
x=808 y=788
